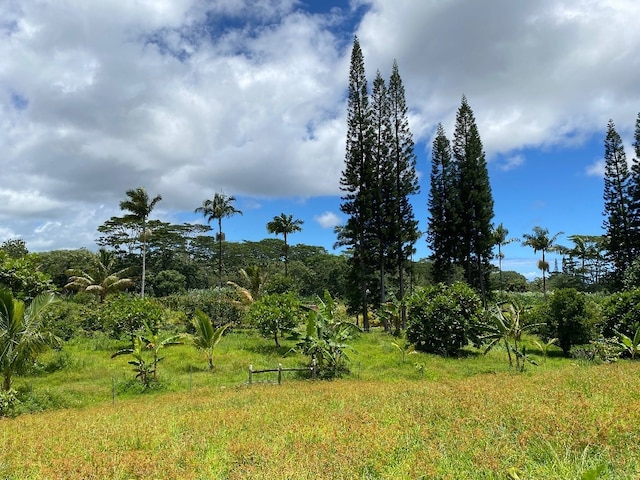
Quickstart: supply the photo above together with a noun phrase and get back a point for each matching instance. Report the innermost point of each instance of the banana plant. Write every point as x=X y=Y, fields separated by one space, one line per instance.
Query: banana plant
x=326 y=336
x=146 y=353
x=506 y=326
x=629 y=345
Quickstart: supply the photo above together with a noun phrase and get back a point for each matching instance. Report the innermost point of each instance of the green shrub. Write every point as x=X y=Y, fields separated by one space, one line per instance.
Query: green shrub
x=65 y=319
x=127 y=314
x=219 y=304
x=168 y=282
x=569 y=317
x=443 y=319
x=621 y=313
x=275 y=315
x=8 y=401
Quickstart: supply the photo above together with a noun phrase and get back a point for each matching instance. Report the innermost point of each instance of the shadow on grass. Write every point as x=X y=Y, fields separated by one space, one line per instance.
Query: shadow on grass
x=269 y=349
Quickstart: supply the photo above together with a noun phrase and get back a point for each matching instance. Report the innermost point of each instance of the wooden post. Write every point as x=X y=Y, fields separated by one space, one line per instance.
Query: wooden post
x=279 y=374
x=250 y=374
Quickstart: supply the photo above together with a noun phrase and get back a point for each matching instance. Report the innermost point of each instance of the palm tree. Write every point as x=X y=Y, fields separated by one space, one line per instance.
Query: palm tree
x=140 y=207
x=206 y=337
x=22 y=336
x=540 y=242
x=500 y=234
x=102 y=280
x=284 y=224
x=221 y=206
x=253 y=279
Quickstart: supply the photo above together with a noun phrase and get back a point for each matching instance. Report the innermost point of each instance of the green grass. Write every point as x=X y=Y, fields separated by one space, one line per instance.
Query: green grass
x=468 y=417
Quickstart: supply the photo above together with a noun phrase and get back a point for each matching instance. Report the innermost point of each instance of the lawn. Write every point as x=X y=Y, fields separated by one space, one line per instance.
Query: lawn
x=426 y=417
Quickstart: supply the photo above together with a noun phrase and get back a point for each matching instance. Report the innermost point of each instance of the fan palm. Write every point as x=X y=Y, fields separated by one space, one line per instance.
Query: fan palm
x=102 y=280
x=139 y=207
x=22 y=336
x=284 y=225
x=221 y=206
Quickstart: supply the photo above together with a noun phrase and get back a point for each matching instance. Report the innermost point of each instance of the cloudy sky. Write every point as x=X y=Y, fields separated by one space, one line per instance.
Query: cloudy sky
x=247 y=97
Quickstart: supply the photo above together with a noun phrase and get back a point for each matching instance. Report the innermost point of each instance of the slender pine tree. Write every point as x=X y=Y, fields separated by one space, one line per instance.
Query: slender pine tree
x=475 y=205
x=635 y=190
x=441 y=230
x=381 y=147
x=617 y=204
x=403 y=225
x=357 y=181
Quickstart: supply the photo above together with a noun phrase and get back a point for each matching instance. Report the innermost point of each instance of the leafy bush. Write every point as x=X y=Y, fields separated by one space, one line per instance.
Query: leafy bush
x=168 y=282
x=219 y=304
x=275 y=315
x=568 y=317
x=621 y=313
x=443 y=319
x=8 y=401
x=126 y=314
x=65 y=319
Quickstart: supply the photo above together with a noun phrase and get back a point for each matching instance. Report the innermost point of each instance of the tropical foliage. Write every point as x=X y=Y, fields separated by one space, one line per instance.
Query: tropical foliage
x=22 y=337
x=206 y=337
x=102 y=279
x=326 y=337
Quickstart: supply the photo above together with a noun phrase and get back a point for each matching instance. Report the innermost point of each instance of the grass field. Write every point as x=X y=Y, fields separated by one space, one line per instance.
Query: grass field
x=428 y=417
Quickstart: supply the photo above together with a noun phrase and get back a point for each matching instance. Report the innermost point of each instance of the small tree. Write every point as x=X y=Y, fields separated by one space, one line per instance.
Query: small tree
x=102 y=279
x=506 y=326
x=275 y=315
x=442 y=320
x=568 y=319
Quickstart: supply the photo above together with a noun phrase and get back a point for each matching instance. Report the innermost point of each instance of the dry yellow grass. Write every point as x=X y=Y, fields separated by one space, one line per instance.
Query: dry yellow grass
x=546 y=424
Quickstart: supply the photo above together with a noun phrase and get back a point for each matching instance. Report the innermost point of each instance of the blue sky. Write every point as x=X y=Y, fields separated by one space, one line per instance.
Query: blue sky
x=247 y=97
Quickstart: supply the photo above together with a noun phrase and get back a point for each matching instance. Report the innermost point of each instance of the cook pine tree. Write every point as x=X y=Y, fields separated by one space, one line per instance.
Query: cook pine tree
x=474 y=205
x=357 y=183
x=441 y=228
x=617 y=205
x=403 y=183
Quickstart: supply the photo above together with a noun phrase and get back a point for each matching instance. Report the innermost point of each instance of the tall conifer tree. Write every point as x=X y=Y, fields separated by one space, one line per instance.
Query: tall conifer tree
x=381 y=117
x=475 y=205
x=357 y=181
x=617 y=204
x=635 y=189
x=404 y=226
x=441 y=230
